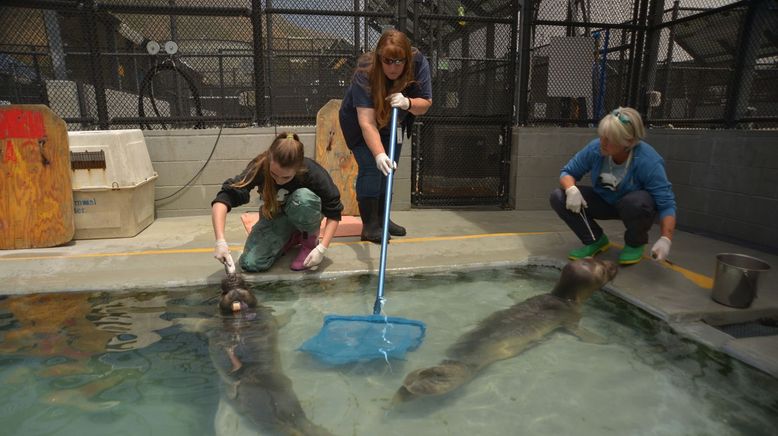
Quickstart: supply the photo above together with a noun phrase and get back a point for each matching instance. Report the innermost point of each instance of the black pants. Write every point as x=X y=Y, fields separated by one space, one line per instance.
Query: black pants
x=636 y=210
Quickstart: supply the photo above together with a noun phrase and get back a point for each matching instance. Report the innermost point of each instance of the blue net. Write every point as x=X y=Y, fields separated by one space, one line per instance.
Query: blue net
x=349 y=339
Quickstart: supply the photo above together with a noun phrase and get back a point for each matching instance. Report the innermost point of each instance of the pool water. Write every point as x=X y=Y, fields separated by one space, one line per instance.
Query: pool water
x=122 y=364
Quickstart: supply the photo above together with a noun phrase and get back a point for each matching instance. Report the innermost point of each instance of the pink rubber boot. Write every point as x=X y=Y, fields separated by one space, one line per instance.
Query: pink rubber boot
x=309 y=241
x=293 y=241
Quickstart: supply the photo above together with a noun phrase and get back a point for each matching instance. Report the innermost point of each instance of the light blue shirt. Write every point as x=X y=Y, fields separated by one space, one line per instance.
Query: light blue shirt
x=646 y=172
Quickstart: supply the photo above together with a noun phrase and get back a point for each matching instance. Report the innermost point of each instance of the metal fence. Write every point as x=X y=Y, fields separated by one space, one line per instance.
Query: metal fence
x=162 y=64
x=692 y=63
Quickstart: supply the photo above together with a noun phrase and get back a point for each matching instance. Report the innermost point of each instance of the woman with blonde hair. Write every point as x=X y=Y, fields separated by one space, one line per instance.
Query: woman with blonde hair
x=629 y=183
x=295 y=192
x=393 y=75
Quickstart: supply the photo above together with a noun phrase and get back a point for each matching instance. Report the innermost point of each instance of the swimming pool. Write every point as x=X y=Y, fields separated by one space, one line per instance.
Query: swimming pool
x=121 y=363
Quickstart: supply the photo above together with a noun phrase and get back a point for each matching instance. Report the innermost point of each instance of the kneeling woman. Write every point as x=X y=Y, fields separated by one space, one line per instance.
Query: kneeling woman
x=295 y=193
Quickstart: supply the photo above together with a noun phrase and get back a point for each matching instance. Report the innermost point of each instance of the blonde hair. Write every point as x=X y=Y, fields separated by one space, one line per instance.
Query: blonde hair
x=623 y=126
x=288 y=152
x=392 y=44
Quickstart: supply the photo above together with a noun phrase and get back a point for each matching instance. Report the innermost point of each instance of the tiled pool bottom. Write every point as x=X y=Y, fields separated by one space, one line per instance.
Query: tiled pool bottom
x=114 y=363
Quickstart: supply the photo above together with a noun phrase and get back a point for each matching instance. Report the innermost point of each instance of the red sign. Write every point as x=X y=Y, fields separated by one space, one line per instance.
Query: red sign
x=20 y=124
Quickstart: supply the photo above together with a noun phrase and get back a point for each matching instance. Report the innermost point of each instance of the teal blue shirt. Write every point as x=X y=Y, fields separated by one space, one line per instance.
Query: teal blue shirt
x=646 y=172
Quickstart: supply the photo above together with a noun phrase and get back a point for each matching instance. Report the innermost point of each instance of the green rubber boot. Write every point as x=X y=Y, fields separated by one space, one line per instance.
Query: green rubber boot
x=631 y=255
x=597 y=246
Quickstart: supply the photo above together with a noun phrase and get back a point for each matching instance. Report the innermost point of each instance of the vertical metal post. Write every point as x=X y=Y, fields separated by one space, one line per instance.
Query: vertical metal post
x=113 y=46
x=357 y=21
x=183 y=111
x=95 y=60
x=637 y=55
x=465 y=78
x=269 y=64
x=259 y=63
x=749 y=41
x=669 y=63
x=56 y=51
x=524 y=62
x=402 y=18
x=221 y=83
x=490 y=73
x=650 y=60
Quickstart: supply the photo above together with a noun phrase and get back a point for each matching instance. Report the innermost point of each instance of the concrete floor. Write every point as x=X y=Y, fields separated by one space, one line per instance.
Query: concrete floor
x=175 y=252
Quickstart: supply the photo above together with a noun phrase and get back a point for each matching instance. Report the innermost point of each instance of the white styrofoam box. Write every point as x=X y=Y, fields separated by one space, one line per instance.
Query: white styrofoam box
x=113 y=183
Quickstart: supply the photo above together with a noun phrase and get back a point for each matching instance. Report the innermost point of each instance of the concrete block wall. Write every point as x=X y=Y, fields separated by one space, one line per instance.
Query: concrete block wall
x=177 y=155
x=725 y=181
x=537 y=155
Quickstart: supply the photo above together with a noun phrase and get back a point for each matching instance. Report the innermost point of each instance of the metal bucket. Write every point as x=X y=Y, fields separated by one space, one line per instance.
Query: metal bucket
x=736 y=279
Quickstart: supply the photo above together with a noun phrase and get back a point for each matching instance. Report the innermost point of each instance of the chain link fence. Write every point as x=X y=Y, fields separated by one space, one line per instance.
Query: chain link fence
x=186 y=63
x=472 y=50
x=165 y=64
x=686 y=63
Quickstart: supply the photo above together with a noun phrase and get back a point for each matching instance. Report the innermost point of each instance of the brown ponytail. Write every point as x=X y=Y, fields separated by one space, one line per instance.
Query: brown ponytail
x=288 y=152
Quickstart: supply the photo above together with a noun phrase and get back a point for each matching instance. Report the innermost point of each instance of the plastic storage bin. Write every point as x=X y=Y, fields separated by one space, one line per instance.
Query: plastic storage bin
x=113 y=183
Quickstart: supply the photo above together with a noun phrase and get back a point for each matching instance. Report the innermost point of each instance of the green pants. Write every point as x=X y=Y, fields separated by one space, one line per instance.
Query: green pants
x=265 y=243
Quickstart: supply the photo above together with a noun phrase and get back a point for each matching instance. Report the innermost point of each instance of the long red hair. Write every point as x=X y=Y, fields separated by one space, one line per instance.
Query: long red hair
x=395 y=45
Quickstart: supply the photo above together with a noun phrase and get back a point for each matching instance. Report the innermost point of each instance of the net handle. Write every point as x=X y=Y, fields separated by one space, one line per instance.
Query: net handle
x=379 y=299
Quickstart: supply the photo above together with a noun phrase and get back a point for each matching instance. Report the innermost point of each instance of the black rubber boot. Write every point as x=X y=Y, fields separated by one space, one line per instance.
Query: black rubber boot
x=394 y=228
x=369 y=211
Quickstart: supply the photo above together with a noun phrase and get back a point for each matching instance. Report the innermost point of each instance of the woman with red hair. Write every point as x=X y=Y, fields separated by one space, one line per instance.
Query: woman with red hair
x=393 y=75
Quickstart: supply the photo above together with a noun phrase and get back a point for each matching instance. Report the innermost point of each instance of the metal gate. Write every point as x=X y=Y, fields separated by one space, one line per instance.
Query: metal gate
x=461 y=147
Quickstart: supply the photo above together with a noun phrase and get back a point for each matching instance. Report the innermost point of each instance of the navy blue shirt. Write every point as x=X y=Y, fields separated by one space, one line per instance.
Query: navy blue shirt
x=358 y=95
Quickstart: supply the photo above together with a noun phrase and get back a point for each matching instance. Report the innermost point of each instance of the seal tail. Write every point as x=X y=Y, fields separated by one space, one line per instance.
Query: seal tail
x=441 y=379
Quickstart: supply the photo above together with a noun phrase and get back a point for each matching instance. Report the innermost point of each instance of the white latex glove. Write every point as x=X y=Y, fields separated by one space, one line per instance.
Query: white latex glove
x=575 y=200
x=384 y=164
x=661 y=248
x=222 y=253
x=315 y=256
x=399 y=101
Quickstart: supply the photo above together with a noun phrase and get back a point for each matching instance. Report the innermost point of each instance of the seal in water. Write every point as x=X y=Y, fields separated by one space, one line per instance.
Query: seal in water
x=507 y=333
x=244 y=350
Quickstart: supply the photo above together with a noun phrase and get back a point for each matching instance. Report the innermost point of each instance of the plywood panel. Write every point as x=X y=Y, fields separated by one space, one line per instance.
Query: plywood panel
x=36 y=196
x=333 y=154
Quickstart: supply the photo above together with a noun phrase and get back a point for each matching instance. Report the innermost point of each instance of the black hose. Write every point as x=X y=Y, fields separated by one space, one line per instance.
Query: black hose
x=147 y=83
x=200 y=171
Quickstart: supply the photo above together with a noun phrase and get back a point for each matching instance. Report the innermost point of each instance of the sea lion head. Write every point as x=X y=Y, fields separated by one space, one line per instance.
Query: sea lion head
x=580 y=278
x=441 y=379
x=236 y=296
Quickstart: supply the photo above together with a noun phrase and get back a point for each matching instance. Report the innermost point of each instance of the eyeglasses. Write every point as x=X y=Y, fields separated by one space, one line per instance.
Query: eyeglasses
x=390 y=61
x=623 y=118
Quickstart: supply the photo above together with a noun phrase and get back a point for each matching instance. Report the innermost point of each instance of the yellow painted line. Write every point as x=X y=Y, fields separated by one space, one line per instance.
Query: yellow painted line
x=446 y=238
x=128 y=253
x=240 y=247
x=700 y=280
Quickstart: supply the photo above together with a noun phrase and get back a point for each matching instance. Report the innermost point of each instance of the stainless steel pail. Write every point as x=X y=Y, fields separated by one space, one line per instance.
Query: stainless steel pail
x=736 y=280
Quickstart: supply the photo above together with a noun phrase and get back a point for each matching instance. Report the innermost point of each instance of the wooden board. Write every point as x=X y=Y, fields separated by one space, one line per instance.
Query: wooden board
x=333 y=154
x=36 y=195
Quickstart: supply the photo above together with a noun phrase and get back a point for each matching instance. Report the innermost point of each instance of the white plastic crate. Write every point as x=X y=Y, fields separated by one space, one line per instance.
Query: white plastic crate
x=113 y=183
